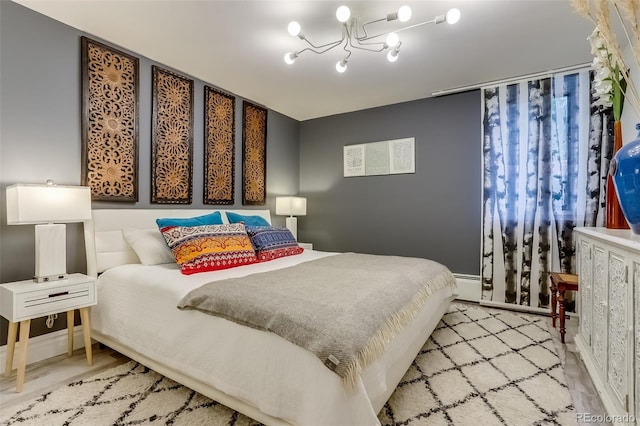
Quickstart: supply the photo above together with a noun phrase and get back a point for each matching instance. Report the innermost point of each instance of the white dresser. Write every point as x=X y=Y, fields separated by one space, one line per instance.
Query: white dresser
x=609 y=304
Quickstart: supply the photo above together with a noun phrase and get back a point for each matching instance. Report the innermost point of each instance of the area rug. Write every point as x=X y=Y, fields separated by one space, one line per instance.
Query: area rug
x=480 y=366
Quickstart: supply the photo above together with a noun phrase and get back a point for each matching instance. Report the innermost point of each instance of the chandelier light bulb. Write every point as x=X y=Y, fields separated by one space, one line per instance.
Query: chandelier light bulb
x=392 y=39
x=293 y=28
x=290 y=57
x=404 y=13
x=343 y=13
x=453 y=16
x=392 y=56
x=341 y=66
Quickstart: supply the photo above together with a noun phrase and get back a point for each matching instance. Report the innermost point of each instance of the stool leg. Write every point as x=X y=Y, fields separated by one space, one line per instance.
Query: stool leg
x=562 y=318
x=554 y=302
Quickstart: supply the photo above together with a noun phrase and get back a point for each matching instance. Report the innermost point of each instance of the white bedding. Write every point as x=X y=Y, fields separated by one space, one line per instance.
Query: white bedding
x=137 y=308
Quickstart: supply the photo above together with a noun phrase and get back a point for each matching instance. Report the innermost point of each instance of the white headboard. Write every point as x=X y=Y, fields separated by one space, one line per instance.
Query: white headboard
x=105 y=245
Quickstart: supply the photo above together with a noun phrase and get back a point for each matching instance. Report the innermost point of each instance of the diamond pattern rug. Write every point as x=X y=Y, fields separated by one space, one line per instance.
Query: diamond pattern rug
x=481 y=366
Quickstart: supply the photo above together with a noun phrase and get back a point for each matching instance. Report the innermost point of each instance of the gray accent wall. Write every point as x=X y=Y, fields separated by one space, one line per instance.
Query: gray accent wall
x=434 y=213
x=40 y=113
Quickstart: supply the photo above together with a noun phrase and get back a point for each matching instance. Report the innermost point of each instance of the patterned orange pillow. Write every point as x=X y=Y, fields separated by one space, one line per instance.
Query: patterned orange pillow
x=209 y=247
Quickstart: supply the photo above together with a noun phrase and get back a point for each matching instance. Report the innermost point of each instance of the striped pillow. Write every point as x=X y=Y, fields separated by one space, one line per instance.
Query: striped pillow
x=209 y=247
x=271 y=243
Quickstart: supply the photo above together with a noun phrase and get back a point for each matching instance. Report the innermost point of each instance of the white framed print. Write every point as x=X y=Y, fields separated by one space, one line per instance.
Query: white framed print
x=402 y=158
x=354 y=160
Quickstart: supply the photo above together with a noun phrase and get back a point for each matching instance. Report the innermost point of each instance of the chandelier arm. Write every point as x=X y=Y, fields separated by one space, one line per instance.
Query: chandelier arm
x=433 y=21
x=322 y=46
x=318 y=52
x=364 y=29
x=368 y=49
x=348 y=43
x=363 y=46
x=364 y=43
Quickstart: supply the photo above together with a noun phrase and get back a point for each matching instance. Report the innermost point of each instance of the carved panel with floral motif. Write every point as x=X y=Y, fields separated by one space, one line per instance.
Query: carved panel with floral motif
x=585 y=290
x=172 y=138
x=599 y=311
x=219 y=146
x=617 y=374
x=109 y=122
x=254 y=154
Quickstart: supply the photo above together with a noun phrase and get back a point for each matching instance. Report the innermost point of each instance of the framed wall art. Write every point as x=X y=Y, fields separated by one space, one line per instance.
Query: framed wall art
x=254 y=154
x=110 y=92
x=219 y=146
x=172 y=138
x=380 y=158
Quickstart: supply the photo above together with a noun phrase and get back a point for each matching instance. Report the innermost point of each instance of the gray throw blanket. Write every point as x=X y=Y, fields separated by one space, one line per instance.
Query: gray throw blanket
x=343 y=308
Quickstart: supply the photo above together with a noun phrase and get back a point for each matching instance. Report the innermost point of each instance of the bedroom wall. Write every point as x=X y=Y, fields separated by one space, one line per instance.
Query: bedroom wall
x=40 y=107
x=434 y=213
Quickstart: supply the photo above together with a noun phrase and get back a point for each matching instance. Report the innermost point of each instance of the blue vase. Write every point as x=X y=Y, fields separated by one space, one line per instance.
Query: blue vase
x=626 y=177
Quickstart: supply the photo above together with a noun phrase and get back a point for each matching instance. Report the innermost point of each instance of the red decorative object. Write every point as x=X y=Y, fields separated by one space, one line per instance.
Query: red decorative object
x=615 y=217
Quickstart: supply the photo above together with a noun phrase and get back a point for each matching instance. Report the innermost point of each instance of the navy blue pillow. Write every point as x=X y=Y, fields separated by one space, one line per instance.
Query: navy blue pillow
x=248 y=220
x=214 y=218
x=272 y=243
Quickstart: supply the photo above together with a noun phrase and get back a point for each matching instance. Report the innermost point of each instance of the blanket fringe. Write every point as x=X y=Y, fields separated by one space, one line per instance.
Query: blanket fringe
x=396 y=323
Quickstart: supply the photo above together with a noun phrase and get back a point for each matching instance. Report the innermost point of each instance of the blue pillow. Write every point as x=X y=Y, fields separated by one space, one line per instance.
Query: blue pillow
x=214 y=218
x=248 y=220
x=272 y=243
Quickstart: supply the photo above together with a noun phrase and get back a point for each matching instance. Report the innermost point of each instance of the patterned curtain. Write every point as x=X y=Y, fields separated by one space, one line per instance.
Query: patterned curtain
x=546 y=153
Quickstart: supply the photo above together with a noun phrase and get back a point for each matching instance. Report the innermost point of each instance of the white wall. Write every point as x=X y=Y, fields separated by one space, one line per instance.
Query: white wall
x=630 y=116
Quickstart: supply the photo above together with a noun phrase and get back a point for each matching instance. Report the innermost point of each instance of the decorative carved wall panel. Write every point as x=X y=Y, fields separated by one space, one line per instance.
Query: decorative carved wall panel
x=254 y=154
x=109 y=122
x=617 y=345
x=599 y=313
x=172 y=138
x=585 y=290
x=219 y=146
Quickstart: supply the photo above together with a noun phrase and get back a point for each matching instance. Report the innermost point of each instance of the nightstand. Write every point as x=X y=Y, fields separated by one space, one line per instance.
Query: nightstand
x=22 y=301
x=306 y=246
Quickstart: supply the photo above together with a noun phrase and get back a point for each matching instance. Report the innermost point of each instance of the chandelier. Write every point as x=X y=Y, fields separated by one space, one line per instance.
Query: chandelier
x=356 y=35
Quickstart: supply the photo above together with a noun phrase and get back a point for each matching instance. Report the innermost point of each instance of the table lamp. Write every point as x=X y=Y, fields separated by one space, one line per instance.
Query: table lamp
x=291 y=206
x=48 y=207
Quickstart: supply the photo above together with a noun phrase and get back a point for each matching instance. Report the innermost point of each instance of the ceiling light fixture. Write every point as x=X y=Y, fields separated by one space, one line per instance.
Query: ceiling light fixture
x=355 y=35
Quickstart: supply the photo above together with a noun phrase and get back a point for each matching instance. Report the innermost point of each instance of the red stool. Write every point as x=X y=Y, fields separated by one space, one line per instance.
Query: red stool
x=560 y=283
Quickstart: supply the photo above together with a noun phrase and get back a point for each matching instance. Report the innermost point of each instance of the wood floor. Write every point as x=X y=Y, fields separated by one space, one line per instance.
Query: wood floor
x=47 y=375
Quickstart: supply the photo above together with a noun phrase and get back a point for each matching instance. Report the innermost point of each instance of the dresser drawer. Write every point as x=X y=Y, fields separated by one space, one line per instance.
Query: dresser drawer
x=41 y=302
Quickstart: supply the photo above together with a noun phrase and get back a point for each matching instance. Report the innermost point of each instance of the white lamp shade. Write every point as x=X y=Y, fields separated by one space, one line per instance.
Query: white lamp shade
x=291 y=206
x=32 y=204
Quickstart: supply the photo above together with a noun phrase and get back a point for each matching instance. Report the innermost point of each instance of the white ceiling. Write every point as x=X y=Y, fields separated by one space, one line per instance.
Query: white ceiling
x=239 y=46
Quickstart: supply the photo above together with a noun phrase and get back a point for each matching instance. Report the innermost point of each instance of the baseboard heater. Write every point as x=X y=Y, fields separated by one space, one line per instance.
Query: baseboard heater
x=469 y=288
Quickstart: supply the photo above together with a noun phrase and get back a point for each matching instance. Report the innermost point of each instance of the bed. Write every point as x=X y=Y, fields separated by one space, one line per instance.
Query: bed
x=257 y=373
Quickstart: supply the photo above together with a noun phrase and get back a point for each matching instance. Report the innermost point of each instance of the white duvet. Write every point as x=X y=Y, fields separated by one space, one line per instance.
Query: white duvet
x=137 y=308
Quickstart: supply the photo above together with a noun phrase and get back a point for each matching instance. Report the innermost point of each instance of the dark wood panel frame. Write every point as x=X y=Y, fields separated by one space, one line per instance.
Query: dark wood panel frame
x=172 y=138
x=254 y=154
x=110 y=98
x=219 y=146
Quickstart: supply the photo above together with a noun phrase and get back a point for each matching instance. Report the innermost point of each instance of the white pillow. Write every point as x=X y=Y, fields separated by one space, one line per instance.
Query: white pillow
x=149 y=245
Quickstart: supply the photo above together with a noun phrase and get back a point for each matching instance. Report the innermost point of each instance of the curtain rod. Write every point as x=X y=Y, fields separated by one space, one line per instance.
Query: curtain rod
x=507 y=80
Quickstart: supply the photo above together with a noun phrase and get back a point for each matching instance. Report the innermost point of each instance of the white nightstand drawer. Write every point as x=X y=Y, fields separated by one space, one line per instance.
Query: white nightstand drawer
x=44 y=302
x=29 y=300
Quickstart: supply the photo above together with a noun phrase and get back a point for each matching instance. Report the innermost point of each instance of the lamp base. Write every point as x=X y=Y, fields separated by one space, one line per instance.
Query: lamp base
x=51 y=278
x=51 y=252
x=292 y=225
